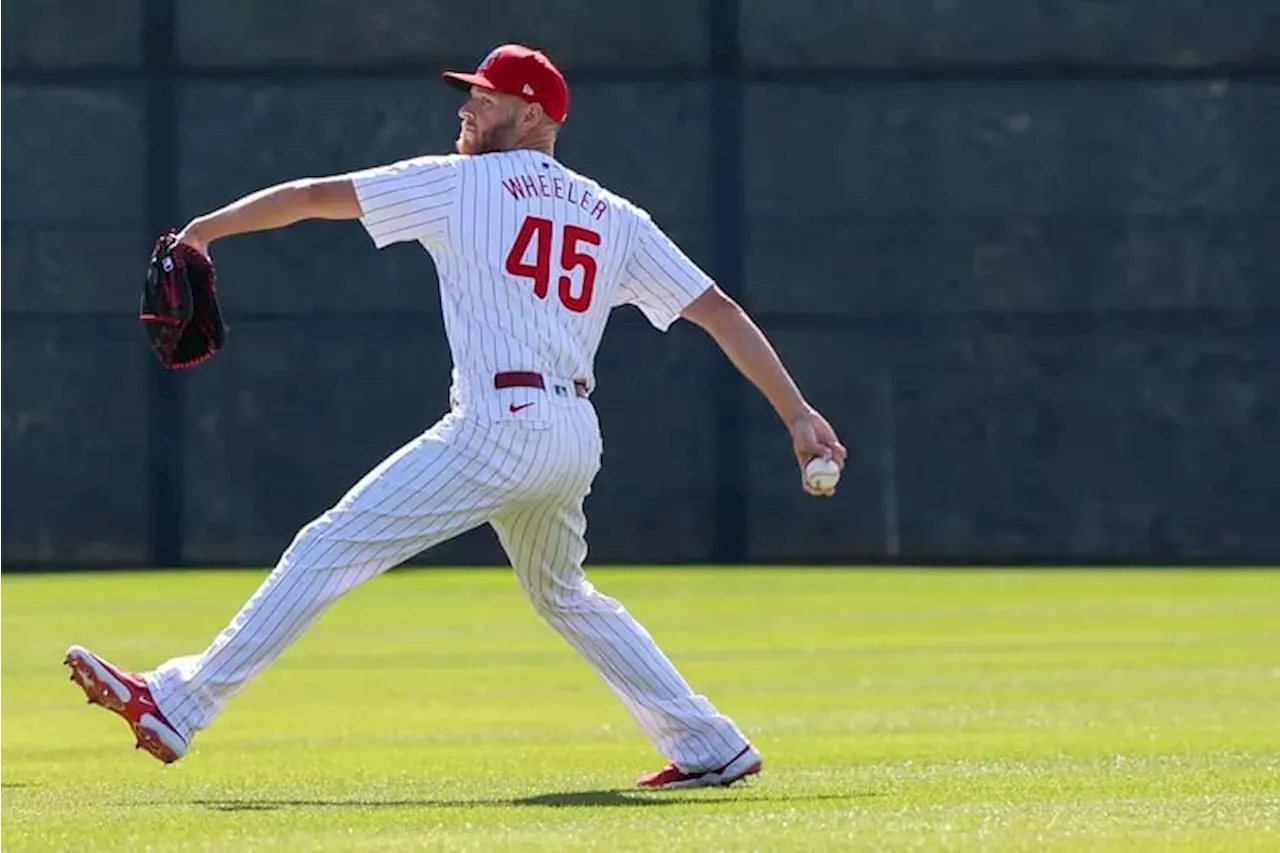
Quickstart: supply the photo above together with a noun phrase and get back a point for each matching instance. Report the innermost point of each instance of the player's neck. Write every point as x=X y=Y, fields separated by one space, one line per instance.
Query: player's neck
x=549 y=150
x=543 y=143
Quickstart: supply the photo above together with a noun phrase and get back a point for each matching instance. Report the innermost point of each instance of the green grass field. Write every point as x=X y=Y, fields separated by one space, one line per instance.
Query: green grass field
x=897 y=710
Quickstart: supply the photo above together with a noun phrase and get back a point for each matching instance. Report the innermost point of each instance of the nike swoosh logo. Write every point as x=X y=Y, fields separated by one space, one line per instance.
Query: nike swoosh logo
x=514 y=408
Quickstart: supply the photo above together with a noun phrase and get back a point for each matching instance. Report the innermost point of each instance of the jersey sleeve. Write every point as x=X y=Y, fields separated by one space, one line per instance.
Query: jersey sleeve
x=658 y=277
x=407 y=200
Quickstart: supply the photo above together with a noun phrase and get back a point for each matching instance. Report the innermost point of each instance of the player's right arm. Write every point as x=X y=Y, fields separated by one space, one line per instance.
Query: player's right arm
x=666 y=285
x=738 y=336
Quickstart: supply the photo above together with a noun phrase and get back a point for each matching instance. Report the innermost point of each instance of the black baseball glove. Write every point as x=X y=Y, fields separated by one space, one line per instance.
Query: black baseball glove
x=180 y=305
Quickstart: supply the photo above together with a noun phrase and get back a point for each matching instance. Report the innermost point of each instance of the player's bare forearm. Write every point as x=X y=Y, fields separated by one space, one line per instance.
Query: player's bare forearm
x=749 y=350
x=747 y=347
x=277 y=207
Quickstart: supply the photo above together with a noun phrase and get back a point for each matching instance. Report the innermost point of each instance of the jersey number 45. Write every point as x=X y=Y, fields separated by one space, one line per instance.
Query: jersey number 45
x=540 y=233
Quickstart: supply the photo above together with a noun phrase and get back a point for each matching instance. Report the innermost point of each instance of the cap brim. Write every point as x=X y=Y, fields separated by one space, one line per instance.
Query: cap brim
x=459 y=80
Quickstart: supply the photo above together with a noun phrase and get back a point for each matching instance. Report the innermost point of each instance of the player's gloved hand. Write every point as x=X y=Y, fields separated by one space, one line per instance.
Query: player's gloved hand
x=813 y=438
x=190 y=236
x=179 y=304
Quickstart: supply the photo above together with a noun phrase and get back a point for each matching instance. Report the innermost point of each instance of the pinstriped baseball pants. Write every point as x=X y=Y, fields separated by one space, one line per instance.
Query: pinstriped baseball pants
x=527 y=478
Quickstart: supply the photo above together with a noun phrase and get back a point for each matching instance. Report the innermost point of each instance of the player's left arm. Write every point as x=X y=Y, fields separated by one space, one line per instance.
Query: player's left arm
x=755 y=358
x=401 y=201
x=276 y=207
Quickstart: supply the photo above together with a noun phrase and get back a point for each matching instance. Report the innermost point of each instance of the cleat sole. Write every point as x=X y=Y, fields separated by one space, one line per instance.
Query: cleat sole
x=103 y=688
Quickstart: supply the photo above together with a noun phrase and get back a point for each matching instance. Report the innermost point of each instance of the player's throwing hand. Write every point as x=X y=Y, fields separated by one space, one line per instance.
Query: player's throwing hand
x=813 y=438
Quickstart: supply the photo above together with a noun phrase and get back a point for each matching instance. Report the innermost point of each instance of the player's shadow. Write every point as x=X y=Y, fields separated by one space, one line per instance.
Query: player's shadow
x=616 y=797
x=568 y=799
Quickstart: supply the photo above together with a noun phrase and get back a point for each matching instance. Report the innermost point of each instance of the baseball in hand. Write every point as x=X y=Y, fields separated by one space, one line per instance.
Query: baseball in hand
x=822 y=473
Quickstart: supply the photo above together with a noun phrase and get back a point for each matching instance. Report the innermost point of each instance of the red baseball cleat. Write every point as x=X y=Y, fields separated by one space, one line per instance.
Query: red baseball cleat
x=742 y=765
x=127 y=695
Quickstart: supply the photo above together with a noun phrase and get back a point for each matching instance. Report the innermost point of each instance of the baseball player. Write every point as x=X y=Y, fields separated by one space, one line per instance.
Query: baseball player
x=531 y=258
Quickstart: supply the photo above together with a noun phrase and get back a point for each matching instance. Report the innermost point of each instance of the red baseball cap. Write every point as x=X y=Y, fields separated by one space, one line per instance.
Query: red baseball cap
x=513 y=69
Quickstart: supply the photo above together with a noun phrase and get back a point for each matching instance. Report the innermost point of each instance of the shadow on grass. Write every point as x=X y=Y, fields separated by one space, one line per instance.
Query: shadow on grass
x=572 y=799
x=577 y=798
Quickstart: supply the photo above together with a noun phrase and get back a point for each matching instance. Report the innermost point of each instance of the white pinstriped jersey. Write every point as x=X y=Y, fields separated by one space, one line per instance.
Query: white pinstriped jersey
x=531 y=257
